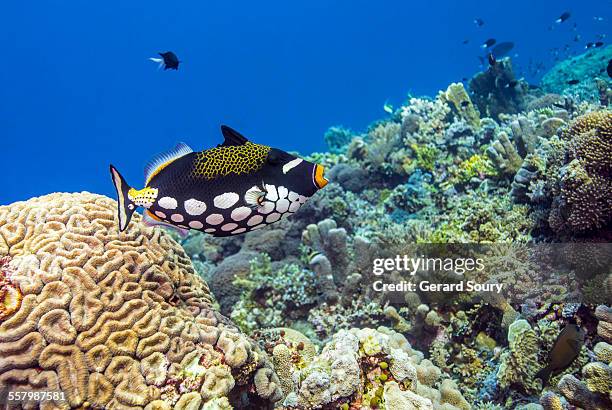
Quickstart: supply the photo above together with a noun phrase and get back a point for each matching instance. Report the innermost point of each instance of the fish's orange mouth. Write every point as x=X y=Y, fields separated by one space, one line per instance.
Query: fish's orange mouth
x=319 y=179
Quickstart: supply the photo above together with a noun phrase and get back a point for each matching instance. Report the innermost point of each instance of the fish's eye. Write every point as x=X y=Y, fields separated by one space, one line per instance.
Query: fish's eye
x=273 y=157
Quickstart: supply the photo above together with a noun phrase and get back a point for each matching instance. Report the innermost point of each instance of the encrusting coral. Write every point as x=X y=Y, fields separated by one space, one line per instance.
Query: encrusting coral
x=113 y=319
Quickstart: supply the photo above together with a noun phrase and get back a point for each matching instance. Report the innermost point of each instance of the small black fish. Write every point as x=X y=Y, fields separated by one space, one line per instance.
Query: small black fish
x=464 y=79
x=599 y=44
x=492 y=60
x=563 y=17
x=488 y=43
x=169 y=60
x=573 y=82
x=465 y=103
x=589 y=45
x=466 y=41
x=563 y=353
x=609 y=69
x=479 y=22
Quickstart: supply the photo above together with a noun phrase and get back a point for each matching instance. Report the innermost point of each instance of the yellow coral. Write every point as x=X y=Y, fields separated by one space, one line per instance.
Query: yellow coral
x=459 y=98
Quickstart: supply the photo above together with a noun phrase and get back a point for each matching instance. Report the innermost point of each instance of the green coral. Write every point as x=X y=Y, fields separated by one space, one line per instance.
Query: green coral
x=520 y=363
x=477 y=166
x=425 y=156
x=482 y=216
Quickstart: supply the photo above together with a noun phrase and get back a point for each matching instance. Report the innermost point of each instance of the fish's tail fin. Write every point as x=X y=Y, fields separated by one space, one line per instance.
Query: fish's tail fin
x=543 y=375
x=125 y=207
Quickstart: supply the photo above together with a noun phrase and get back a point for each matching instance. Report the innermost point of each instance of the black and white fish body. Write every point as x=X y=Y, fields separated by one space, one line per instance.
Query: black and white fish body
x=236 y=187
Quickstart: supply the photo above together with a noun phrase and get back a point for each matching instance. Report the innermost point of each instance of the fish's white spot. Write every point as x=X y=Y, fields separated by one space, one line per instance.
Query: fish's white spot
x=273 y=217
x=214 y=219
x=294 y=206
x=226 y=200
x=131 y=207
x=271 y=194
x=210 y=230
x=293 y=196
x=291 y=164
x=266 y=208
x=194 y=207
x=255 y=220
x=239 y=230
x=168 y=202
x=258 y=227
x=196 y=225
x=282 y=205
x=240 y=213
x=282 y=192
x=177 y=218
x=229 y=227
x=160 y=214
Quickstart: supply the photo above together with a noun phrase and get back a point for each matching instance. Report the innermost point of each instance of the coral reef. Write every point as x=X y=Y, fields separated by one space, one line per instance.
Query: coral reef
x=515 y=174
x=585 y=68
x=114 y=319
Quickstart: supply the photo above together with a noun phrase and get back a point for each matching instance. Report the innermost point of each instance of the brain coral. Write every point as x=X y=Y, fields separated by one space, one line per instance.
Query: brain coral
x=113 y=319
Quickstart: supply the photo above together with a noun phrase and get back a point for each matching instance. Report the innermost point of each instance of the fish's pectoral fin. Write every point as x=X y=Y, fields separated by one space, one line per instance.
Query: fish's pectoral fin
x=232 y=137
x=164 y=159
x=151 y=220
x=125 y=206
x=255 y=196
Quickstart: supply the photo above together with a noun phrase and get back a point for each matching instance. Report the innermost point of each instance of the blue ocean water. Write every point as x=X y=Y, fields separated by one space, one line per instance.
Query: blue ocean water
x=78 y=92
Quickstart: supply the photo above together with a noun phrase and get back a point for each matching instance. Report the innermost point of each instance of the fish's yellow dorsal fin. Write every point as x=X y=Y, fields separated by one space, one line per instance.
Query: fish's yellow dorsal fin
x=164 y=159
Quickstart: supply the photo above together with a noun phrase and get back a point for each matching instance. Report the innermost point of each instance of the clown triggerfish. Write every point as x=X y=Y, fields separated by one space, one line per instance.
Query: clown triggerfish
x=236 y=187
